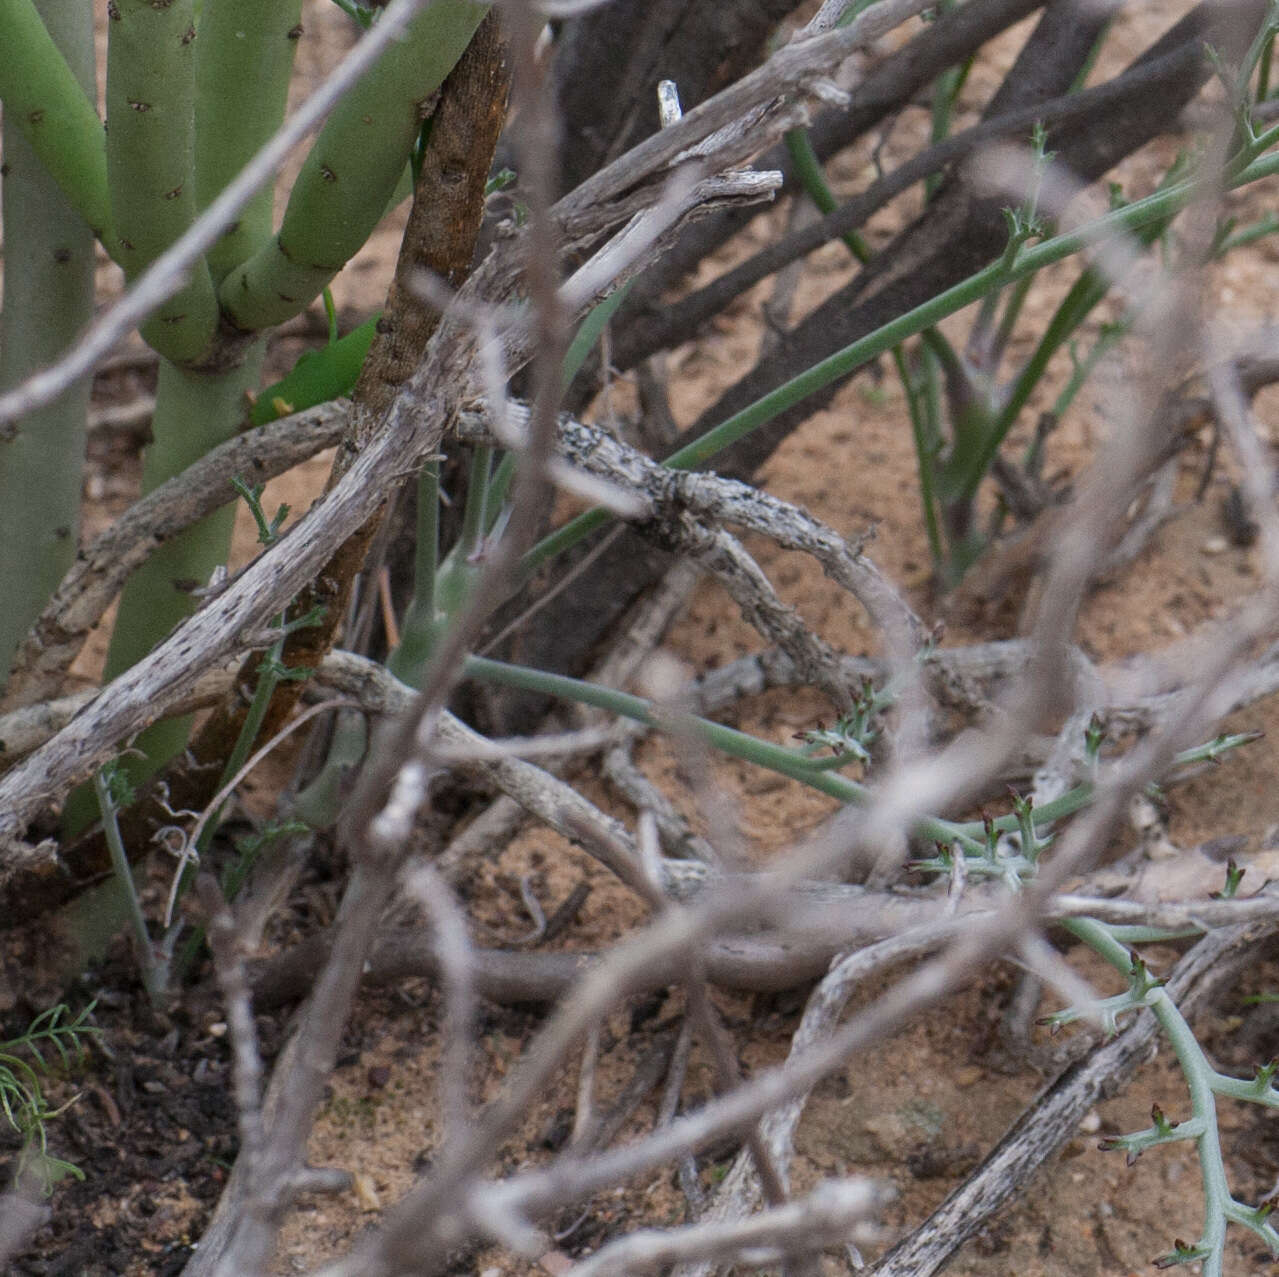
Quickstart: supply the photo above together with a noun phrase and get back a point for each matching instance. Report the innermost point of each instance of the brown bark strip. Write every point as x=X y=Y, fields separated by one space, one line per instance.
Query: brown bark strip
x=448 y=206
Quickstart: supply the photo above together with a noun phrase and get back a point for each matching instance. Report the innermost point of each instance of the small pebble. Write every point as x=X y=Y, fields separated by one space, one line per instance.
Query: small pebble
x=1091 y=1123
x=1214 y=545
x=366 y=1192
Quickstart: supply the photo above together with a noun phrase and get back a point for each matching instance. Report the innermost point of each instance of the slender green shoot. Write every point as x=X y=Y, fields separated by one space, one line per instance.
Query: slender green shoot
x=422 y=621
x=1263 y=67
x=114 y=793
x=1204 y=1083
x=271 y=673
x=440 y=586
x=797 y=764
x=589 y=332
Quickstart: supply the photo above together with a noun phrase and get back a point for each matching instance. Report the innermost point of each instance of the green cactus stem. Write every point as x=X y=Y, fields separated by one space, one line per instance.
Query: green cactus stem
x=151 y=161
x=351 y=172
x=47 y=101
x=243 y=63
x=48 y=298
x=229 y=86
x=194 y=412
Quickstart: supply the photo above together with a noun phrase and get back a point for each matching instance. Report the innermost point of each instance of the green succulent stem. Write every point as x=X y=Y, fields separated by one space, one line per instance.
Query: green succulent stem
x=151 y=162
x=435 y=581
x=48 y=100
x=808 y=169
x=48 y=299
x=792 y=763
x=1204 y=1084
x=421 y=622
x=154 y=976
x=243 y=63
x=968 y=466
x=351 y=172
x=194 y=413
x=1154 y=208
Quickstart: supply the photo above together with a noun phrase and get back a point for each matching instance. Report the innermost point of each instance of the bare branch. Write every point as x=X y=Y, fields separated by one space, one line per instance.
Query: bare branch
x=101 y=570
x=412 y=430
x=825 y=1217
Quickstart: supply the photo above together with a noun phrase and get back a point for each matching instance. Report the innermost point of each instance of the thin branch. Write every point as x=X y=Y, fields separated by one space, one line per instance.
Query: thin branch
x=213 y=808
x=232 y=977
x=666 y=493
x=453 y=950
x=413 y=429
x=682 y=319
x=739 y=1192
x=825 y=1217
x=789 y=71
x=101 y=570
x=26 y=729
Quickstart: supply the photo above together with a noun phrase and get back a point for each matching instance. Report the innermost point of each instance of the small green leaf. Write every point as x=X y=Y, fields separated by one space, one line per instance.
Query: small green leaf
x=318 y=376
x=1181 y=1253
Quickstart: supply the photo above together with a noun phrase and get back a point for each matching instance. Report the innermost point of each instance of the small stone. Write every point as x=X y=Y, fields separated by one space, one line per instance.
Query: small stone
x=1091 y=1123
x=890 y=1134
x=969 y=1075
x=1214 y=545
x=366 y=1192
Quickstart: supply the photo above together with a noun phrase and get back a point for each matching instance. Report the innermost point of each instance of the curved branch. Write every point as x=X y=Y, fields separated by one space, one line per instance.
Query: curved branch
x=102 y=569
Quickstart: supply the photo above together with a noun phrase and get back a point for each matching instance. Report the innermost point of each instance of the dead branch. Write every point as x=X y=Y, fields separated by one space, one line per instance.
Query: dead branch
x=959 y=233
x=823 y=1218
x=684 y=318
x=952 y=38
x=738 y=1195
x=412 y=430
x=825 y=921
x=101 y=570
x=666 y=494
x=730 y=123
